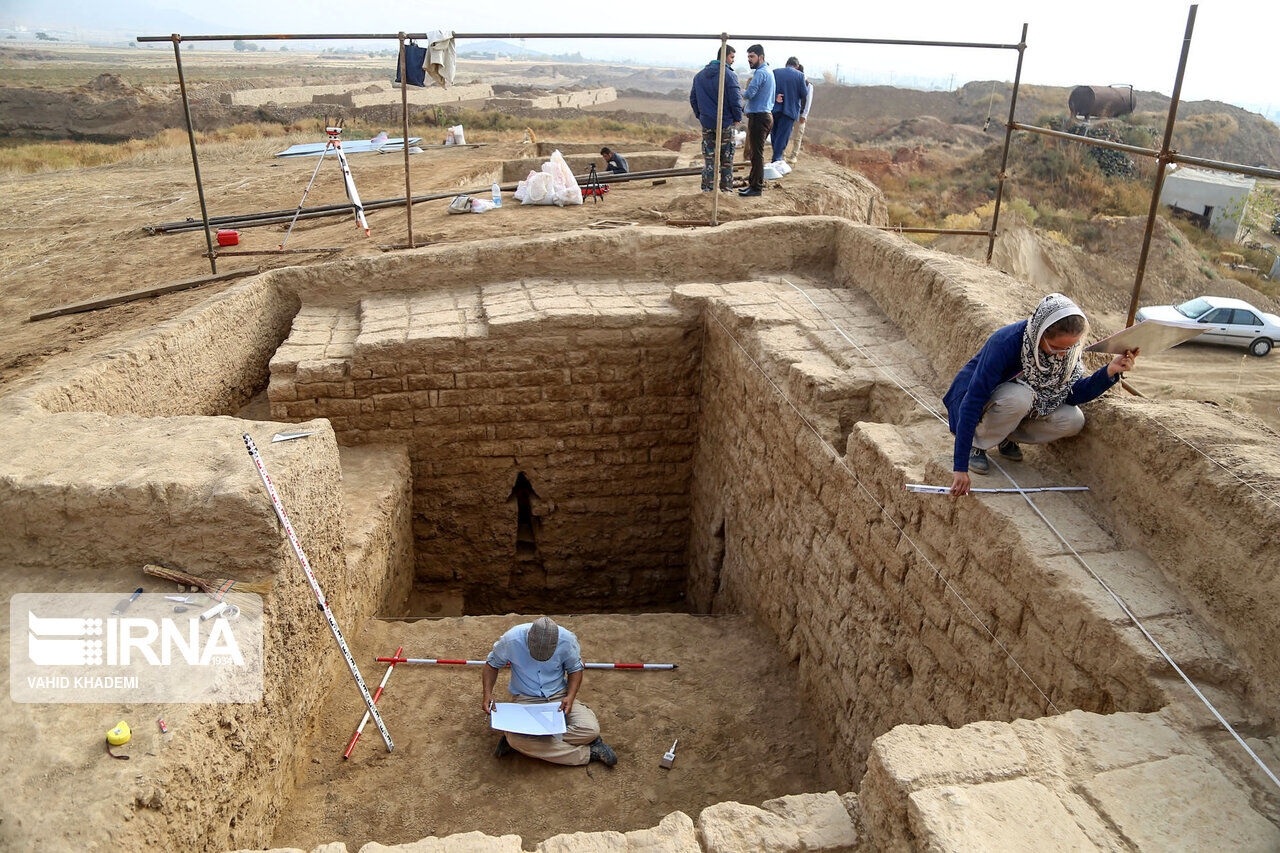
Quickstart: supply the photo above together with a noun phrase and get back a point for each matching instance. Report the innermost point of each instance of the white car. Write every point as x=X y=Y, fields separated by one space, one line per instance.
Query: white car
x=1229 y=321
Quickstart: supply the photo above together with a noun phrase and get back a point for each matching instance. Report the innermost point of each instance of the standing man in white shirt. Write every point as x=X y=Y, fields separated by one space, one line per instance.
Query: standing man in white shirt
x=546 y=666
x=804 y=116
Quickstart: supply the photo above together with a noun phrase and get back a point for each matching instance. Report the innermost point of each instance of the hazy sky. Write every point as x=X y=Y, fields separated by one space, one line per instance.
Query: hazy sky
x=1069 y=41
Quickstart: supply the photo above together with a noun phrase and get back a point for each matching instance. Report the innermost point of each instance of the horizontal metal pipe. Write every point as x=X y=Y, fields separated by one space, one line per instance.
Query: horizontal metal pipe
x=252 y=220
x=1221 y=166
x=684 y=36
x=1174 y=157
x=1087 y=140
x=971 y=232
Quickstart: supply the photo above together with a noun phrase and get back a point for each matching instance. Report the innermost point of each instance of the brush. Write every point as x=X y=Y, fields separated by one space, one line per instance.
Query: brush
x=216 y=587
x=669 y=757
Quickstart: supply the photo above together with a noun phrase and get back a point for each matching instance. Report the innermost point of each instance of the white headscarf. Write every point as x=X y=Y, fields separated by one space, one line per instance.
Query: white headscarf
x=1049 y=375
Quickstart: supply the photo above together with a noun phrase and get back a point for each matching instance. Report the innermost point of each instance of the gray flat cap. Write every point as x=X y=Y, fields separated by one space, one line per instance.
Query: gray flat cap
x=543 y=636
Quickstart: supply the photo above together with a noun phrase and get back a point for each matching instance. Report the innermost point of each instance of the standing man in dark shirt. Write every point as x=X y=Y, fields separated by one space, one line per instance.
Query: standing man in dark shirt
x=702 y=97
x=614 y=163
x=788 y=104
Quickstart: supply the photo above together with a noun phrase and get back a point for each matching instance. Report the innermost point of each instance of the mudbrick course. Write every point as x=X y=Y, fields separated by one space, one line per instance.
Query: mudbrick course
x=689 y=446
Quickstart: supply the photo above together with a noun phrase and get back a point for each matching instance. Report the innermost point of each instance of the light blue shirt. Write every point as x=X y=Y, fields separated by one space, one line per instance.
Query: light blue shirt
x=538 y=678
x=760 y=91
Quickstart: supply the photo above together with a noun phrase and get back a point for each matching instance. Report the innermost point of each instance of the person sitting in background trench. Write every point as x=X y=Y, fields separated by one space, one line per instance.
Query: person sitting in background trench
x=1025 y=385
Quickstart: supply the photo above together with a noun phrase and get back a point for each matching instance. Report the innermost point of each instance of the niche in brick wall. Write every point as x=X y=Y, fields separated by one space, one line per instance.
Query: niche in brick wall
x=527 y=524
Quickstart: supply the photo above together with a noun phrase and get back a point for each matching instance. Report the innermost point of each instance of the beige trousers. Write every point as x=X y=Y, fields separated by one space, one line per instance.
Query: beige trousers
x=568 y=748
x=1006 y=417
x=796 y=142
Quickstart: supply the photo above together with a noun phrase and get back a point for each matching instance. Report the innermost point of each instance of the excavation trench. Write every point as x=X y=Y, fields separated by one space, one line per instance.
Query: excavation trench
x=703 y=473
x=610 y=448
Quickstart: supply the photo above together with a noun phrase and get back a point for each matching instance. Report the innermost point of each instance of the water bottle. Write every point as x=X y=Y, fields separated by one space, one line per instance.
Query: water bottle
x=497 y=195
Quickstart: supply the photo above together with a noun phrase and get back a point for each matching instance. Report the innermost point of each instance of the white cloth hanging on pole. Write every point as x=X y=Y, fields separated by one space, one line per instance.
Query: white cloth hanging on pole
x=441 y=57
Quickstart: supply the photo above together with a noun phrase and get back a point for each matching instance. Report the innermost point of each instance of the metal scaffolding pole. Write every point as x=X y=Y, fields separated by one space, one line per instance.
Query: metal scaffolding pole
x=715 y=155
x=1162 y=163
x=195 y=160
x=404 y=117
x=1004 y=156
x=678 y=36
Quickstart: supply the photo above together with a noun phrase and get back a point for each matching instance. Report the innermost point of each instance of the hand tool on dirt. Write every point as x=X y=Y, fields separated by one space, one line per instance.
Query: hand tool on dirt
x=442 y=661
x=118 y=736
x=669 y=757
x=290 y=436
x=315 y=587
x=376 y=696
x=923 y=489
x=124 y=603
x=216 y=587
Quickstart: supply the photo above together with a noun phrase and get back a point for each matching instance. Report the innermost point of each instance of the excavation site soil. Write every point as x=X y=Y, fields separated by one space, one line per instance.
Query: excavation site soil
x=688 y=444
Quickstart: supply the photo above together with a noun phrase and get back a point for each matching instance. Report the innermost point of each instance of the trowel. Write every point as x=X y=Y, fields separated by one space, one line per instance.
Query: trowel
x=669 y=757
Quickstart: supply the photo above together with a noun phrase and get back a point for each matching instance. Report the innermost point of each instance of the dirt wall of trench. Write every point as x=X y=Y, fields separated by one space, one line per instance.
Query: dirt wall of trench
x=1213 y=535
x=123 y=492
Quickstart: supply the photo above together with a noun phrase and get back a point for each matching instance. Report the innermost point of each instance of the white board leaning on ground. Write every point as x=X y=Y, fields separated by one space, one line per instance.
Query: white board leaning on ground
x=543 y=718
x=1150 y=336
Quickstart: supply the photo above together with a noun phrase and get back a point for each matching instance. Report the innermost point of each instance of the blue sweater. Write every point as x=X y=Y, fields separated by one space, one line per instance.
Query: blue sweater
x=760 y=90
x=793 y=89
x=702 y=97
x=1000 y=360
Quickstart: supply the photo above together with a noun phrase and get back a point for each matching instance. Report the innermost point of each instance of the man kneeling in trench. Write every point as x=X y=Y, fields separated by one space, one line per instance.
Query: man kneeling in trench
x=546 y=665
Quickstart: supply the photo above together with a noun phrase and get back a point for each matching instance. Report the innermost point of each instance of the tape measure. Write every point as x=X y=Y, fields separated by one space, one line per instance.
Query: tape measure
x=118 y=736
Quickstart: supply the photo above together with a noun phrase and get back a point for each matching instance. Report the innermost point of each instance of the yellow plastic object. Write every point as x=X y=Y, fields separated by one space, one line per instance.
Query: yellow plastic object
x=120 y=734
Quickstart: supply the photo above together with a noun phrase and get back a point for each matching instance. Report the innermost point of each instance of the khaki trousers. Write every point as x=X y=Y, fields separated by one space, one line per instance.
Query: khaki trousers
x=1006 y=417
x=568 y=748
x=799 y=140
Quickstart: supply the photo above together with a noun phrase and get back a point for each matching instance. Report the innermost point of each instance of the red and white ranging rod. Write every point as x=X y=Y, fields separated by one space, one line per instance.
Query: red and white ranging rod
x=315 y=587
x=442 y=661
x=376 y=696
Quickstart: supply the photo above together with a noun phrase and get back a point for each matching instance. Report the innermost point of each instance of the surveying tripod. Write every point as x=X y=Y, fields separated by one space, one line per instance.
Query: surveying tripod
x=334 y=141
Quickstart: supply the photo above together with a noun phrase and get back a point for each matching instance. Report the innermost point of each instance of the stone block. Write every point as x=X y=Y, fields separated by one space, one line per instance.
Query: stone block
x=1180 y=803
x=466 y=842
x=820 y=820
x=675 y=833
x=915 y=756
x=1017 y=814
x=1095 y=743
x=585 y=842
x=733 y=827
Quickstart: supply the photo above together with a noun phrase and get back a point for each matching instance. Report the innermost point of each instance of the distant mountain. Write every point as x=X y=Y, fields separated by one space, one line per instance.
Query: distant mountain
x=505 y=48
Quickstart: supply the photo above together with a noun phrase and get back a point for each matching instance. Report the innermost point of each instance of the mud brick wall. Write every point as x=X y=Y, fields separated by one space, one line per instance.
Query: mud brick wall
x=598 y=410
x=780 y=531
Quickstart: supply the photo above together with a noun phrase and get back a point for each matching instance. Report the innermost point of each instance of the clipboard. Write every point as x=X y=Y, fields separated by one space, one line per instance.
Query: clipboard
x=1151 y=336
x=544 y=718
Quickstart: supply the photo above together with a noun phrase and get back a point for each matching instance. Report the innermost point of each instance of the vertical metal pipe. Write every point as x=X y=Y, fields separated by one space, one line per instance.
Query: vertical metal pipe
x=715 y=189
x=404 y=122
x=1008 y=134
x=1162 y=162
x=195 y=161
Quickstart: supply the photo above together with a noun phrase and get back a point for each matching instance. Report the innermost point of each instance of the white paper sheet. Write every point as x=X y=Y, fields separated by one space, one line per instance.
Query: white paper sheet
x=545 y=718
x=1151 y=336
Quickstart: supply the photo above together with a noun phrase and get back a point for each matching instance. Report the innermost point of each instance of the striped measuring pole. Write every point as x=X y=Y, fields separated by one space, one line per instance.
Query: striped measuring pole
x=315 y=587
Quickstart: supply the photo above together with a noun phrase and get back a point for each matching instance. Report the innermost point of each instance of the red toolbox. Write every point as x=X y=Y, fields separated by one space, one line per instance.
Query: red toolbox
x=227 y=237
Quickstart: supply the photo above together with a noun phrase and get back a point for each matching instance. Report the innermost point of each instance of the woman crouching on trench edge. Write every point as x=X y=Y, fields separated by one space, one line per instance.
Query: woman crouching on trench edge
x=1025 y=385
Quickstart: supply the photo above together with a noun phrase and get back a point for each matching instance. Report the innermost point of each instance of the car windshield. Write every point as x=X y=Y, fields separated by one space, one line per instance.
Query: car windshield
x=1194 y=308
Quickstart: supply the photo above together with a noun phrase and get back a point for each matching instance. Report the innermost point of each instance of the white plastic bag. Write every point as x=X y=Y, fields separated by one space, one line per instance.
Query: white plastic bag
x=554 y=184
x=455 y=136
x=481 y=205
